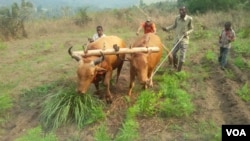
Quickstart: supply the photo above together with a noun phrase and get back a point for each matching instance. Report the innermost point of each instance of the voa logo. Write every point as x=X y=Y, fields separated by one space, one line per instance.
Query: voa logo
x=236 y=132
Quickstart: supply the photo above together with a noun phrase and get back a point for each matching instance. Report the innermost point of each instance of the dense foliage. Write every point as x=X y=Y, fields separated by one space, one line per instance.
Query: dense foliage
x=202 y=6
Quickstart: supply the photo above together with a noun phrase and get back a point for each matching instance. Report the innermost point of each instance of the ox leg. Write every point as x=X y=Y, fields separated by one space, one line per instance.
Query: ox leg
x=150 y=81
x=96 y=85
x=108 y=95
x=132 y=82
x=97 y=88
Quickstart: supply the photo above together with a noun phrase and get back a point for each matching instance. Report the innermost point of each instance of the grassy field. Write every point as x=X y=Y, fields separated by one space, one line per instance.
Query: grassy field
x=38 y=79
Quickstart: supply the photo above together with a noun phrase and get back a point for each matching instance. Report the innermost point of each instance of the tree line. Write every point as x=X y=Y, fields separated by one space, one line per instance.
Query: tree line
x=12 y=19
x=202 y=6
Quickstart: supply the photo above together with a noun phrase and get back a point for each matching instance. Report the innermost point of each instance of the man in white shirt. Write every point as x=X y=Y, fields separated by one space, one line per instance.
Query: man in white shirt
x=97 y=35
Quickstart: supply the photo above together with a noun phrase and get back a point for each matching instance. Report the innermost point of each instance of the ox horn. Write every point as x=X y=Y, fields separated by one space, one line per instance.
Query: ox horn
x=73 y=56
x=99 y=60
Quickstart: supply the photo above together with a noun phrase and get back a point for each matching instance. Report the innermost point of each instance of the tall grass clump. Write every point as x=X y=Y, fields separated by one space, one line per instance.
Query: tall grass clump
x=177 y=102
x=66 y=106
x=36 y=134
x=244 y=92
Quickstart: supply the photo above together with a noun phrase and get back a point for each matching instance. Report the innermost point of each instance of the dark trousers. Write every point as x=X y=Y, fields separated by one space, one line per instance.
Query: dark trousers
x=223 y=56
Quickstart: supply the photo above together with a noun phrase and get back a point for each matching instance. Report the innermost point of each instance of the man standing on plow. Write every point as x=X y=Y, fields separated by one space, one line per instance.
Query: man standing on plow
x=183 y=26
x=148 y=26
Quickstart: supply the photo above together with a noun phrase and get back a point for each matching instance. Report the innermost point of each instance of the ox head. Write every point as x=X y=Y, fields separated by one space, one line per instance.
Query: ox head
x=139 y=66
x=87 y=71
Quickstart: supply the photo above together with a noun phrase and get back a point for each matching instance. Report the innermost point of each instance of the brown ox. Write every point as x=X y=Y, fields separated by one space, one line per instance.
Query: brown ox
x=142 y=65
x=93 y=69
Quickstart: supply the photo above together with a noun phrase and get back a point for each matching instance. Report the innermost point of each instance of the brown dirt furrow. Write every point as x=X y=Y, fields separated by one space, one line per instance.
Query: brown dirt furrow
x=234 y=110
x=26 y=120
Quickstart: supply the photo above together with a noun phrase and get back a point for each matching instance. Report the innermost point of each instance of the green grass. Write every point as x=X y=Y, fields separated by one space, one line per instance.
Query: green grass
x=146 y=103
x=36 y=134
x=66 y=106
x=193 y=130
x=101 y=133
x=207 y=130
x=244 y=93
x=239 y=62
x=200 y=33
x=129 y=130
x=244 y=32
x=2 y=46
x=61 y=105
x=42 y=45
x=210 y=56
x=229 y=74
x=5 y=105
x=177 y=102
x=241 y=46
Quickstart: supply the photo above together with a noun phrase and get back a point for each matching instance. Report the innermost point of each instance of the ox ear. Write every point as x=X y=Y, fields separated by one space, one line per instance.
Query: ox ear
x=100 y=68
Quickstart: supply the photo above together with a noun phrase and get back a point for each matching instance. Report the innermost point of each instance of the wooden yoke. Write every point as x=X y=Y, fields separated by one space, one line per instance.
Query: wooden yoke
x=112 y=51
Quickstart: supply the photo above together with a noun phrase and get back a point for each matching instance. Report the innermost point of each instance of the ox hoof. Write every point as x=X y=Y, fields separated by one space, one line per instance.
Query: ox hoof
x=109 y=101
x=151 y=85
